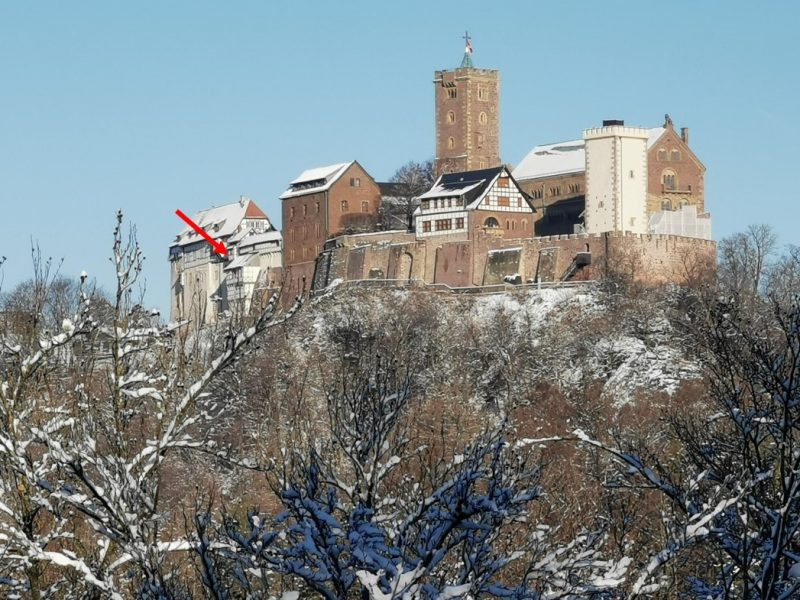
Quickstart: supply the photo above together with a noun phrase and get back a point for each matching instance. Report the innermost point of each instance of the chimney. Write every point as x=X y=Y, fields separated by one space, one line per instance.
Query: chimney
x=685 y=135
x=242 y=200
x=612 y=122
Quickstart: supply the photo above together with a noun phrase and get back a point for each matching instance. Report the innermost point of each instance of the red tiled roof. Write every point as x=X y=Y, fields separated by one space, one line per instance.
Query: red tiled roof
x=253 y=211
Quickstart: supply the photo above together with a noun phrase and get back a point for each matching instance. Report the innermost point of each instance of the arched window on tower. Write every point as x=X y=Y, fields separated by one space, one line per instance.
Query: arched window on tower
x=451 y=142
x=482 y=118
x=451 y=117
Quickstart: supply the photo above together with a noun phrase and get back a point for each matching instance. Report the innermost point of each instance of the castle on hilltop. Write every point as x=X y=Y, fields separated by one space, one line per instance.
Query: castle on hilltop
x=619 y=199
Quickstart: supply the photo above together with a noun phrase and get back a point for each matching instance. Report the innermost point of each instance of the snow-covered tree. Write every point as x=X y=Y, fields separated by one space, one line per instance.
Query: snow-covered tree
x=89 y=418
x=370 y=511
x=408 y=182
x=733 y=486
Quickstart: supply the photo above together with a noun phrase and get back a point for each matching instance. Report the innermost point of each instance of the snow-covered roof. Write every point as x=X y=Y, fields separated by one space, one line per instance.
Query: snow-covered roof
x=249 y=237
x=259 y=237
x=315 y=180
x=220 y=221
x=653 y=134
x=469 y=184
x=440 y=190
x=563 y=158
x=552 y=159
x=239 y=262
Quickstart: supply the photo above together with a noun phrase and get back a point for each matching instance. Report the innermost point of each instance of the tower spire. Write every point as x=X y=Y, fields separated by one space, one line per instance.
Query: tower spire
x=466 y=62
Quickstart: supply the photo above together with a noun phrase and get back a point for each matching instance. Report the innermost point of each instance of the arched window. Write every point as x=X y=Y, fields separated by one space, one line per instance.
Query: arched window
x=482 y=118
x=669 y=180
x=662 y=154
x=524 y=224
x=451 y=142
x=675 y=155
x=491 y=222
x=451 y=117
x=666 y=205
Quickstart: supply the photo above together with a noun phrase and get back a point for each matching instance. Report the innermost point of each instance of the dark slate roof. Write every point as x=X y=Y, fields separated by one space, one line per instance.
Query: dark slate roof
x=391 y=189
x=469 y=184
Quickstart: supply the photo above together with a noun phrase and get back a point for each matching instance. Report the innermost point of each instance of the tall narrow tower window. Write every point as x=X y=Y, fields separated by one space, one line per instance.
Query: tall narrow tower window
x=482 y=118
x=451 y=93
x=451 y=117
x=451 y=143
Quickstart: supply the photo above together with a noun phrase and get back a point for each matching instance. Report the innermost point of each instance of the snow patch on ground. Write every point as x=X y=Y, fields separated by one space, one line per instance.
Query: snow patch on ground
x=628 y=365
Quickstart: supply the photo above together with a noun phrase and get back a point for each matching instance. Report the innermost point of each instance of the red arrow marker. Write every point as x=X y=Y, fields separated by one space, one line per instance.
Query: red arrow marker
x=219 y=247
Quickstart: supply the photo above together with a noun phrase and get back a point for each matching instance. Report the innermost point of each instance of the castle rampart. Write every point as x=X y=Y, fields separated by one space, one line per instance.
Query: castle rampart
x=490 y=259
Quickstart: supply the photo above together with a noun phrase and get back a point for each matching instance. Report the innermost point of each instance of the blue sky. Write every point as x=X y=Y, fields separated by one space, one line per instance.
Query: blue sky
x=152 y=106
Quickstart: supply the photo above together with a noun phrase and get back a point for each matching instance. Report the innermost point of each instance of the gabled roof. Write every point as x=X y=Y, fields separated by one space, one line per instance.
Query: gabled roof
x=469 y=184
x=563 y=158
x=220 y=221
x=249 y=237
x=318 y=179
x=652 y=140
x=238 y=262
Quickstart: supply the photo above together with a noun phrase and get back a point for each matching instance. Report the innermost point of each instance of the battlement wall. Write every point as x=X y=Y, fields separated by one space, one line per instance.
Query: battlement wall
x=648 y=258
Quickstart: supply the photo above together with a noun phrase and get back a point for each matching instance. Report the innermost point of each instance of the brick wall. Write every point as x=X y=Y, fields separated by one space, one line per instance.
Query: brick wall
x=467 y=110
x=689 y=174
x=512 y=225
x=358 y=197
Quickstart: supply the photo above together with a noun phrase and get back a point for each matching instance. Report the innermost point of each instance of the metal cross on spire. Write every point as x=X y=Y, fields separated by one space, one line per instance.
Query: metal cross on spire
x=467 y=60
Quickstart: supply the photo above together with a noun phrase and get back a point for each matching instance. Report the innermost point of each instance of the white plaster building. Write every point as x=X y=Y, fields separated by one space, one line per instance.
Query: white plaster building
x=616 y=178
x=206 y=285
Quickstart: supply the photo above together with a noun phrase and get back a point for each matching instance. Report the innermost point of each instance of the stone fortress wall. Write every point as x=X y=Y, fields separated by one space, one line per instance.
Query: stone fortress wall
x=489 y=259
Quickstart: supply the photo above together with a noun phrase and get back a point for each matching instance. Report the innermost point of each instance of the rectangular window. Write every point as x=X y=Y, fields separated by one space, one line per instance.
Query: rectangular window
x=444 y=224
x=503 y=201
x=425 y=204
x=317 y=207
x=355 y=182
x=502 y=182
x=365 y=207
x=460 y=223
x=451 y=92
x=305 y=209
x=291 y=212
x=344 y=206
x=426 y=227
